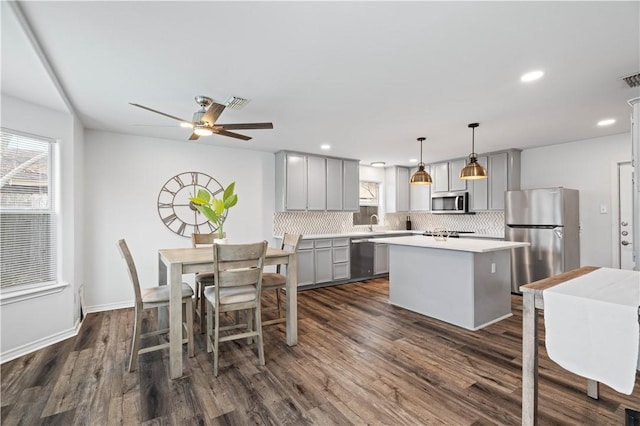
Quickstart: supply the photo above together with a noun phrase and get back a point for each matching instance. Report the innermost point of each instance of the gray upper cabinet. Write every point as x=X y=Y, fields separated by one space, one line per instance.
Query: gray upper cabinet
x=334 y=184
x=351 y=185
x=317 y=196
x=446 y=176
x=479 y=197
x=420 y=195
x=440 y=177
x=397 y=189
x=315 y=183
x=291 y=181
x=455 y=183
x=503 y=169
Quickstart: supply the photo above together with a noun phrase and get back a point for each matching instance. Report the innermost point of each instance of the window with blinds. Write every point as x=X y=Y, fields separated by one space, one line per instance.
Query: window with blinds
x=28 y=255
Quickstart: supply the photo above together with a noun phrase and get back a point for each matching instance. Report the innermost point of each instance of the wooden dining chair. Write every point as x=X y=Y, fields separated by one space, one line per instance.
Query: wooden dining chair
x=238 y=281
x=153 y=297
x=276 y=281
x=203 y=279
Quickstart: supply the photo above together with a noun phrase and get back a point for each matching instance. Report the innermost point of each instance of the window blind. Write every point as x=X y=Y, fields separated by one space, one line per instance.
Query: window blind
x=28 y=248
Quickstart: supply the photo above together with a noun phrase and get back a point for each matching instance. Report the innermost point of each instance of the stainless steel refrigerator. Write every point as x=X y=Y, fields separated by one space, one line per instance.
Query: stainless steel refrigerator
x=548 y=219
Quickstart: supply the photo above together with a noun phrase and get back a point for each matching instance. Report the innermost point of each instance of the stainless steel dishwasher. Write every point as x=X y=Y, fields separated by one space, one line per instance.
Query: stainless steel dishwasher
x=361 y=258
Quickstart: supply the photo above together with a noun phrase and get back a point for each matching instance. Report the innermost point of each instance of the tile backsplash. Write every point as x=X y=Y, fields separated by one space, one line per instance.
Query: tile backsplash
x=488 y=223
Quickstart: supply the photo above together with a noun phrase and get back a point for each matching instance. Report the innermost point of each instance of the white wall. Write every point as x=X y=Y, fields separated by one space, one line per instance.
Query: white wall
x=586 y=166
x=47 y=318
x=123 y=176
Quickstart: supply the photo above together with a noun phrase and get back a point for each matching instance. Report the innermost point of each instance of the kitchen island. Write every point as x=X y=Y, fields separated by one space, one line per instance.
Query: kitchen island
x=465 y=282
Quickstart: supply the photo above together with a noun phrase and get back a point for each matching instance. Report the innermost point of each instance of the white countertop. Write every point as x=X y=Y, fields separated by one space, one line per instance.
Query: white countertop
x=460 y=244
x=381 y=233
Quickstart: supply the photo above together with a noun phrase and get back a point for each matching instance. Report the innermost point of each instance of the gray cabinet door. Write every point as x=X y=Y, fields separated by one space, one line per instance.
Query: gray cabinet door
x=306 y=269
x=316 y=183
x=478 y=189
x=323 y=265
x=381 y=259
x=335 y=184
x=440 y=177
x=402 y=189
x=296 y=182
x=455 y=183
x=351 y=192
x=420 y=195
x=498 y=175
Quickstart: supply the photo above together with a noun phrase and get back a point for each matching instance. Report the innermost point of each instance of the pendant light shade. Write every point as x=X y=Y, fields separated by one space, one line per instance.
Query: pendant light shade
x=473 y=170
x=421 y=177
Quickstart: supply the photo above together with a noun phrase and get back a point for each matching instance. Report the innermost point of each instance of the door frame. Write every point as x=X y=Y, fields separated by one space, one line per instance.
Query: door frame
x=615 y=212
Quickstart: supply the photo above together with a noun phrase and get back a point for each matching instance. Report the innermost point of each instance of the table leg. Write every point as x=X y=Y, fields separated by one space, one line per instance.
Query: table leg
x=292 y=300
x=592 y=388
x=163 y=312
x=175 y=321
x=529 y=360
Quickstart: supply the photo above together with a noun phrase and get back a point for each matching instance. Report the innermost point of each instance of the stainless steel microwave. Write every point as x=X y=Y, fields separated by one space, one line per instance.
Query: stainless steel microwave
x=450 y=202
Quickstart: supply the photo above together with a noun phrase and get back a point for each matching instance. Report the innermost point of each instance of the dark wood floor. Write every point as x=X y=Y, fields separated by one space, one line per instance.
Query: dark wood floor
x=358 y=361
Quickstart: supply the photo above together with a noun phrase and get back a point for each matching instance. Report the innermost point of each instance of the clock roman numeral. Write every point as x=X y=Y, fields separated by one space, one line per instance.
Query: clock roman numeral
x=194 y=178
x=164 y=188
x=178 y=181
x=169 y=219
x=181 y=228
x=211 y=227
x=164 y=205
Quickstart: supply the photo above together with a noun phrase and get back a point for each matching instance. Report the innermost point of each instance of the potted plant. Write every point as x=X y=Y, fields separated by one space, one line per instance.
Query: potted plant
x=215 y=209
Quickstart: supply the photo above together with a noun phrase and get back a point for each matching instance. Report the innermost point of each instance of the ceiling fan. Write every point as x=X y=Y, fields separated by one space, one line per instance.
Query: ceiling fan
x=204 y=120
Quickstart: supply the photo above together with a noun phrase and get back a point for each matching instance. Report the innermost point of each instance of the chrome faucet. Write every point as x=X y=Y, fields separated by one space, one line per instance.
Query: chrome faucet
x=371 y=221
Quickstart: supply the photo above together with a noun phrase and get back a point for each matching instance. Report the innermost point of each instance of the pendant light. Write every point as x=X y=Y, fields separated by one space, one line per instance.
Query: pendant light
x=421 y=177
x=473 y=170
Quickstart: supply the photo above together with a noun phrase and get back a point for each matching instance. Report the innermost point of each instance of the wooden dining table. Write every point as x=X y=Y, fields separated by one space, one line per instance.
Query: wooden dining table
x=179 y=261
x=534 y=301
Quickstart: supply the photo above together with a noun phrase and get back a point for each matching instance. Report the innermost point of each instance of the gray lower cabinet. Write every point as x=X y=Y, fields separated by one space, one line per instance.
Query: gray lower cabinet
x=323 y=260
x=306 y=267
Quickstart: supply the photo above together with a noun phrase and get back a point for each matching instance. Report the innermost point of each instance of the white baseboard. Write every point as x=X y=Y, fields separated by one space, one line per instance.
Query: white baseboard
x=39 y=344
x=107 y=307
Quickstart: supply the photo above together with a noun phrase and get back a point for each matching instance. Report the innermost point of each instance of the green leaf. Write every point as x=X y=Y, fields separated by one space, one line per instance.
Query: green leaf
x=231 y=201
x=229 y=191
x=199 y=201
x=209 y=214
x=204 y=195
x=218 y=206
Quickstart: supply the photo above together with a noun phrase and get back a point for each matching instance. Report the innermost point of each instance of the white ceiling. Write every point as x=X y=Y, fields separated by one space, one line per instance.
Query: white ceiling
x=366 y=77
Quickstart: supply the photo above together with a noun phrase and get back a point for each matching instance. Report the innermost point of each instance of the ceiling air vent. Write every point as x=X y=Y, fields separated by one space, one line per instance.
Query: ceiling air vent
x=632 y=80
x=235 y=102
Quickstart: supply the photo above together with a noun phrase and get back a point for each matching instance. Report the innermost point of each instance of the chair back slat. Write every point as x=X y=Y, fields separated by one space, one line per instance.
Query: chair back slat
x=204 y=239
x=239 y=264
x=131 y=269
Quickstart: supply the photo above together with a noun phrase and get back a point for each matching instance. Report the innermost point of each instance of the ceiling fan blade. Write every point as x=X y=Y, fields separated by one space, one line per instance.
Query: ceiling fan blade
x=230 y=134
x=193 y=137
x=161 y=113
x=213 y=113
x=246 y=126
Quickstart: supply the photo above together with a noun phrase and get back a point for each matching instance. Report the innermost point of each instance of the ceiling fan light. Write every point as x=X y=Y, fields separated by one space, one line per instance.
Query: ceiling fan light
x=186 y=125
x=202 y=130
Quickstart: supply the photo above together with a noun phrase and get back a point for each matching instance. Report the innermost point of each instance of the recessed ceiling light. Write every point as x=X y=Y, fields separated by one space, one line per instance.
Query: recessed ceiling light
x=606 y=122
x=325 y=146
x=413 y=160
x=531 y=76
x=378 y=164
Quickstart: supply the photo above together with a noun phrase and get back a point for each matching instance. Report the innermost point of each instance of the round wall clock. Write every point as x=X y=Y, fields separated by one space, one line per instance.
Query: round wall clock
x=177 y=212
